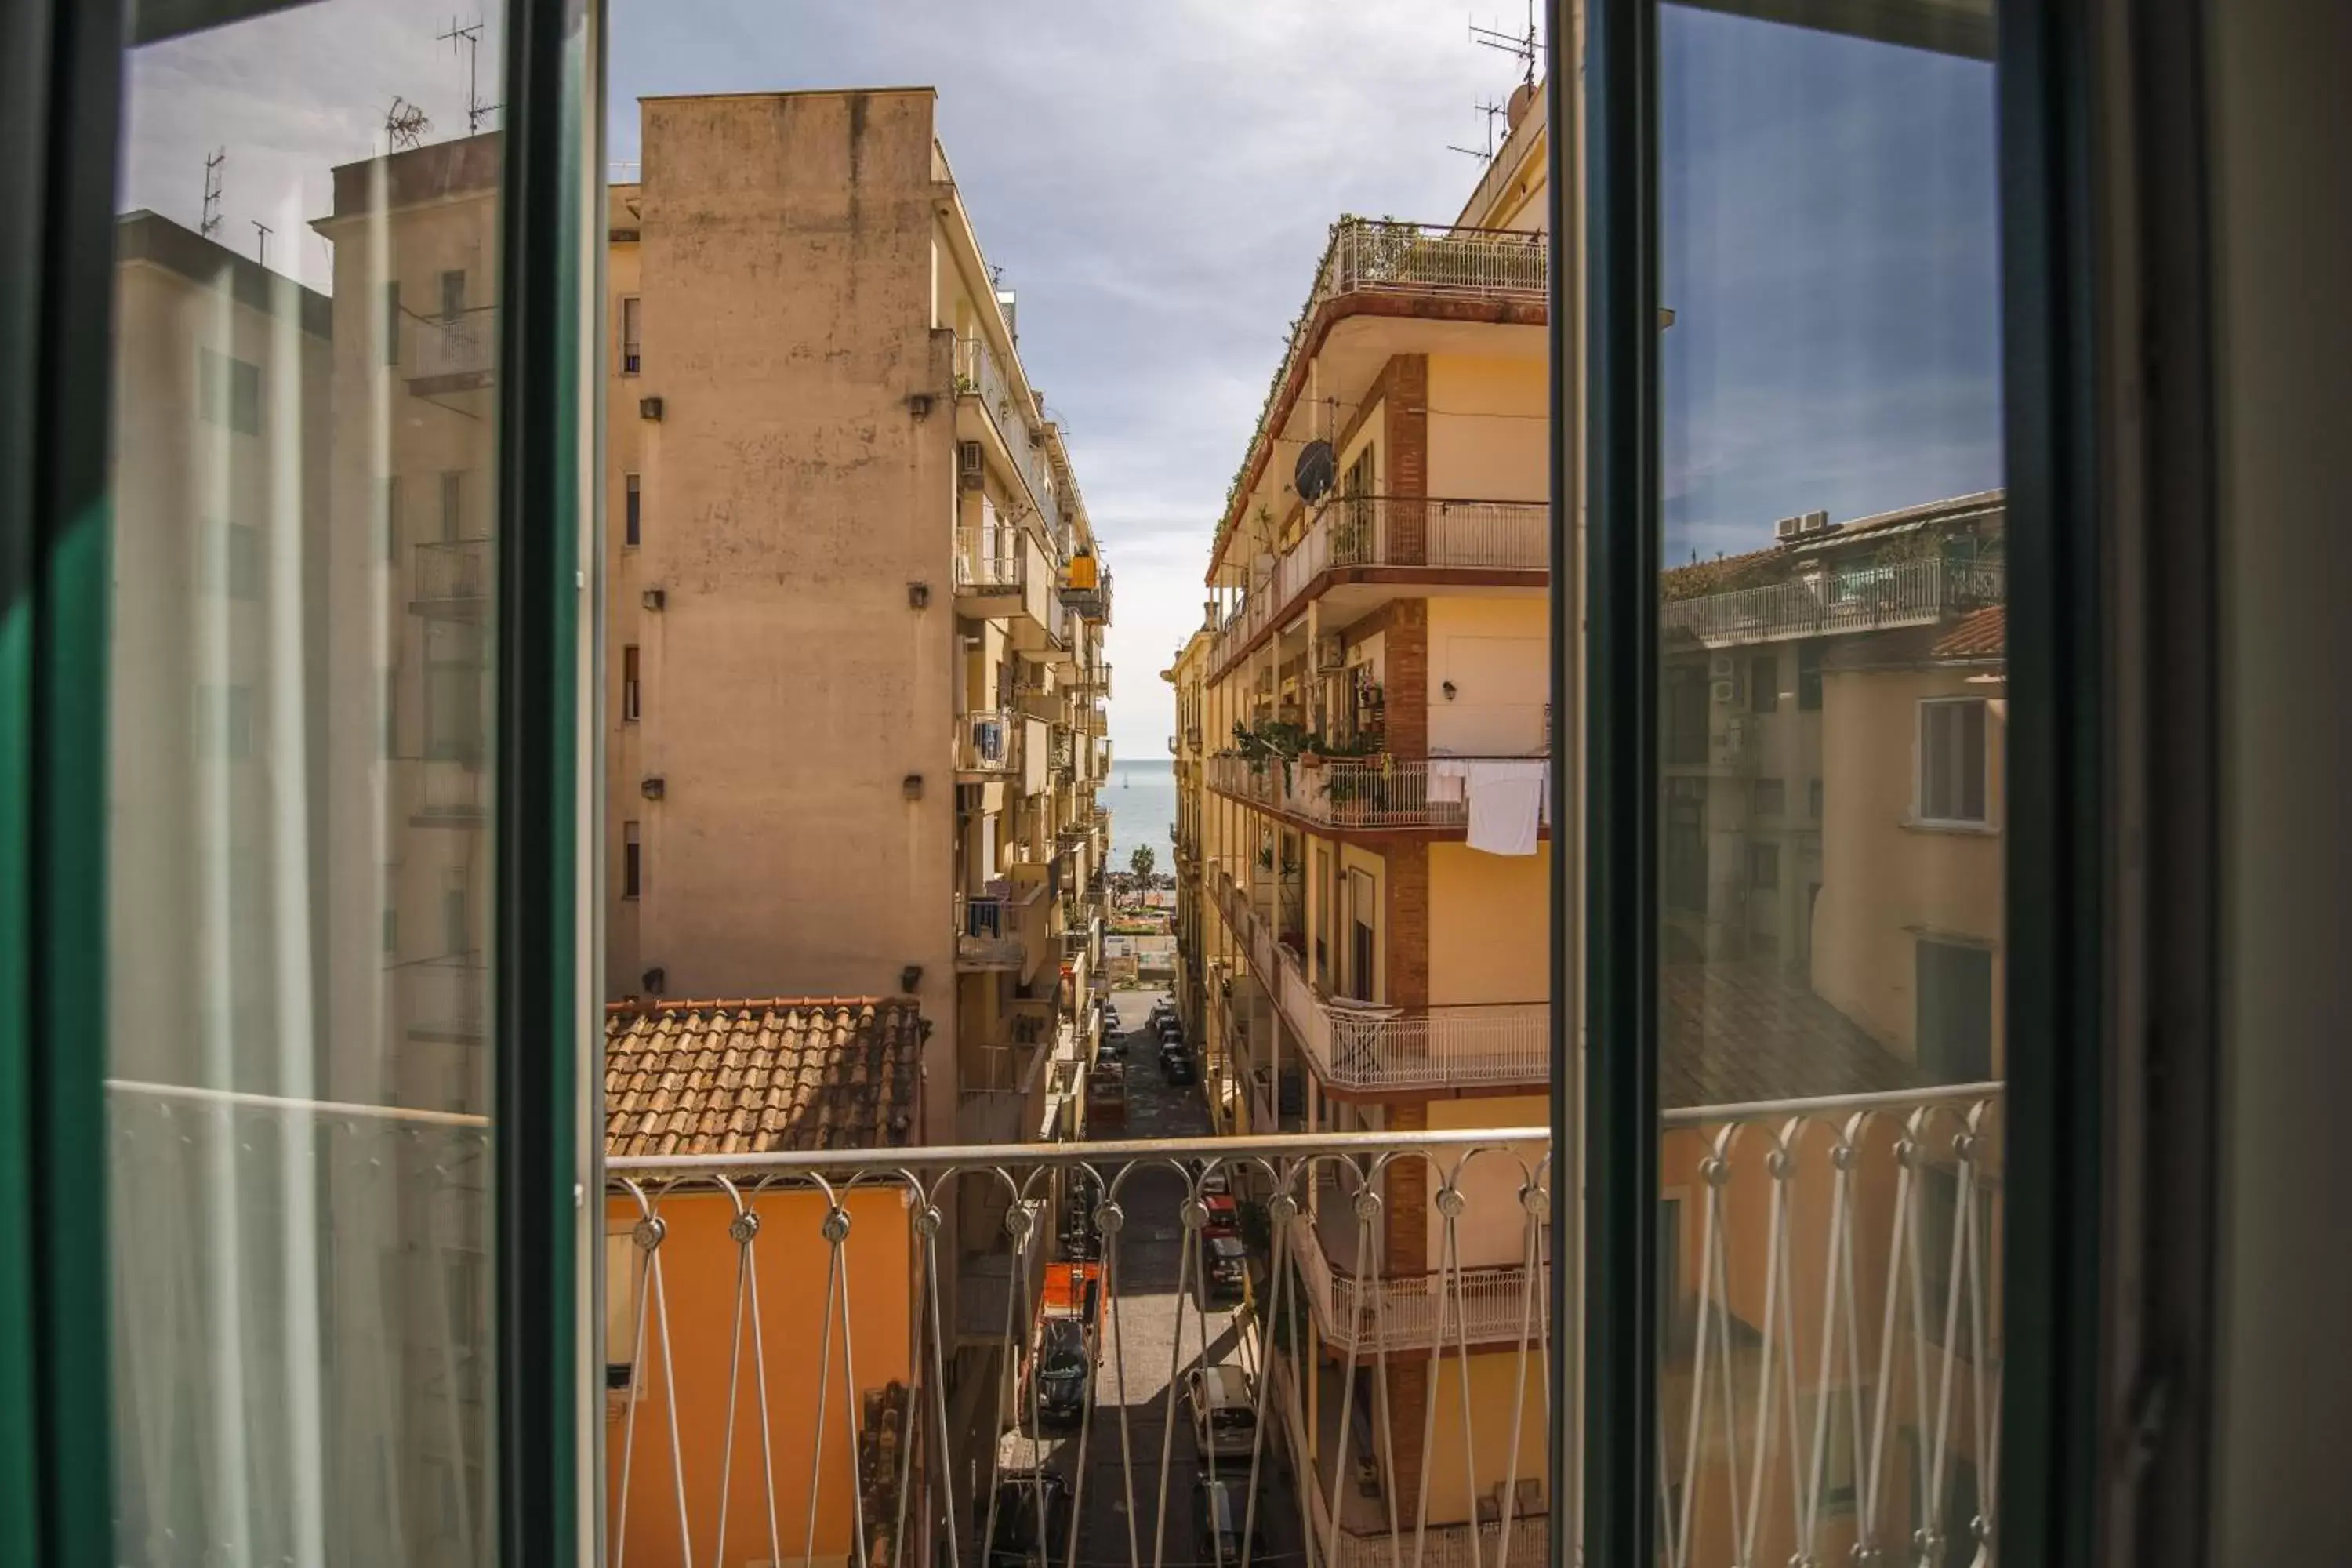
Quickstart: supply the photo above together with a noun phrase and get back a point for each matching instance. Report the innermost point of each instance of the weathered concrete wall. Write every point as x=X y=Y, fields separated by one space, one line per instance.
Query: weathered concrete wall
x=792 y=495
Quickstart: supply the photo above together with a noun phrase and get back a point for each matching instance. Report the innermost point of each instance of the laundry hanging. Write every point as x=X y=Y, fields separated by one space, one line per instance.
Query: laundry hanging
x=1506 y=803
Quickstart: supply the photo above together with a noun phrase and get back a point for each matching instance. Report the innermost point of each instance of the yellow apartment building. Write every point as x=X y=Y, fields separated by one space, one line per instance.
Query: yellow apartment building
x=855 y=721
x=1363 y=728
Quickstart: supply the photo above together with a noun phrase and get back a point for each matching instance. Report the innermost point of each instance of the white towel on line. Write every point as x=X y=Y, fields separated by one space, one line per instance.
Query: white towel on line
x=1446 y=777
x=1506 y=803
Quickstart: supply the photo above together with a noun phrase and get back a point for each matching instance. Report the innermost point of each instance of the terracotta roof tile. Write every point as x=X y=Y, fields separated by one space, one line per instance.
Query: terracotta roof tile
x=1981 y=634
x=753 y=1075
x=1734 y=1033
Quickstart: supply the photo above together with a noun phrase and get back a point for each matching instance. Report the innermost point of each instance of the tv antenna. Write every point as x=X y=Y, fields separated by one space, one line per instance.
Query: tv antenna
x=404 y=125
x=261 y=242
x=1525 y=47
x=1492 y=112
x=214 y=162
x=470 y=39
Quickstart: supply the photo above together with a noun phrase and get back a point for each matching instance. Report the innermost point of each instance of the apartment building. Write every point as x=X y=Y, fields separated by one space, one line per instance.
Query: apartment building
x=855 y=725
x=1363 y=728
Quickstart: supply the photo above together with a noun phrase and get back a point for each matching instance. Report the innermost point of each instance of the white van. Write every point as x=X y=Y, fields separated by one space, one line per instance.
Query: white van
x=1224 y=1411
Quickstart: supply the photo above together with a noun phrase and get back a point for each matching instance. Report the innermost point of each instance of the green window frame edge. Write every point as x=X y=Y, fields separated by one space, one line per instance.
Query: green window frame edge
x=64 y=64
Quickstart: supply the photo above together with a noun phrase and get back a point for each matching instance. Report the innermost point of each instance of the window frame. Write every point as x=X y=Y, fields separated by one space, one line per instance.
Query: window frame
x=1921 y=773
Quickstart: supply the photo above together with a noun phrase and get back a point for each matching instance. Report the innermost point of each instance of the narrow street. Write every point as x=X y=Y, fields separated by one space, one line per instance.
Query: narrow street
x=1149 y=1329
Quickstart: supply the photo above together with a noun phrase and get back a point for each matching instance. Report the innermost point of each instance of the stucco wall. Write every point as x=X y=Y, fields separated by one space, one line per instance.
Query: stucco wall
x=1490 y=924
x=787 y=280
x=1488 y=428
x=1496 y=651
x=1886 y=881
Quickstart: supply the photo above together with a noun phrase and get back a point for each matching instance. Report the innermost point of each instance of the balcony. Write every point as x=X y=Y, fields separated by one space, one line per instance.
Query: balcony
x=988 y=935
x=1390 y=537
x=1360 y=794
x=1858 y=597
x=1365 y=1047
x=982 y=377
x=444 y=999
x=452 y=578
x=1830 y=1323
x=452 y=353
x=988 y=745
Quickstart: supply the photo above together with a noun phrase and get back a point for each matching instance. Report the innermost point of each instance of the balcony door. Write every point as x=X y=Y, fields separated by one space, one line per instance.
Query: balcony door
x=293 y=1280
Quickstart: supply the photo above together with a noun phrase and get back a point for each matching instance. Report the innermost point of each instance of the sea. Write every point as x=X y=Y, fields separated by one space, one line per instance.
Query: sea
x=1142 y=800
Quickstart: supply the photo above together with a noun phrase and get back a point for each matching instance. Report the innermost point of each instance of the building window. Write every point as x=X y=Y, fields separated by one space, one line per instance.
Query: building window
x=1686 y=717
x=388 y=508
x=392 y=322
x=1954 y=989
x=228 y=391
x=225 y=722
x=629 y=711
x=635 y=515
x=1763 y=867
x=1813 y=799
x=452 y=506
x=630 y=345
x=232 y=561
x=453 y=694
x=632 y=861
x=1808 y=676
x=1771 y=798
x=1764 y=683
x=1952 y=760
x=390 y=929
x=456 y=923
x=453 y=295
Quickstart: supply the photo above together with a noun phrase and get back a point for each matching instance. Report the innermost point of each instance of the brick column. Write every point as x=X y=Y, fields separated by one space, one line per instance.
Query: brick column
x=1406 y=930
x=1404 y=671
x=1405 y=1208
x=1407 y=1410
x=1405 y=434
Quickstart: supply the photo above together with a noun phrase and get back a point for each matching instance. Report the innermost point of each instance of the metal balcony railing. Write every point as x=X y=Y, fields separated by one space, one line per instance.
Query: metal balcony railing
x=1361 y=792
x=449 y=349
x=980 y=372
x=453 y=576
x=988 y=742
x=1863 y=596
x=988 y=935
x=1364 y=1046
x=1402 y=532
x=988 y=559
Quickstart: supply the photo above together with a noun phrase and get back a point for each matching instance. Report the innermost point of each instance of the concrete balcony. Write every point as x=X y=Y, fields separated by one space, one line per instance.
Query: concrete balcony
x=451 y=579
x=988 y=745
x=1360 y=793
x=1863 y=596
x=451 y=353
x=989 y=935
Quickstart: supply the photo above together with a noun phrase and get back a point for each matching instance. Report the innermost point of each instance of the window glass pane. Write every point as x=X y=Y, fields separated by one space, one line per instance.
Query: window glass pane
x=297 y=1018
x=1833 y=633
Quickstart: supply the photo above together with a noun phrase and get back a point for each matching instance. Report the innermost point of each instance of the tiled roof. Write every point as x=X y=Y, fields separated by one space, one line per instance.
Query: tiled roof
x=754 y=1076
x=1733 y=1033
x=1981 y=634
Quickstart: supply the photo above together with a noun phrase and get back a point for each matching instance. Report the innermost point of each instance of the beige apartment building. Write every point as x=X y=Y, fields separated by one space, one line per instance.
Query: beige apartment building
x=1362 y=851
x=854 y=726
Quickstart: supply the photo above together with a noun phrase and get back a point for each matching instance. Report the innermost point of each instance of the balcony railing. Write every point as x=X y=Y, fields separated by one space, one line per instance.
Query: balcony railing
x=988 y=742
x=980 y=372
x=1388 y=531
x=1361 y=792
x=988 y=559
x=988 y=935
x=1870 y=596
x=1367 y=1047
x=453 y=576
x=454 y=351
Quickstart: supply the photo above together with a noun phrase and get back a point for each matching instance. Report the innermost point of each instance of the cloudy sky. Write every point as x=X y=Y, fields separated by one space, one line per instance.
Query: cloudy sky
x=1157 y=179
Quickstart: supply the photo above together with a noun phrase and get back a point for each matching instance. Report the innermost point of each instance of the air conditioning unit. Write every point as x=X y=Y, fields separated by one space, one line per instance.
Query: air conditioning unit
x=1330 y=652
x=1814 y=522
x=1787 y=527
x=1724 y=691
x=1721 y=667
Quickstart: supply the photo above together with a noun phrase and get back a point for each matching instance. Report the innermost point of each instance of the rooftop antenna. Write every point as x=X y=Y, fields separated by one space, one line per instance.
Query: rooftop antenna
x=1526 y=47
x=261 y=242
x=471 y=39
x=1492 y=112
x=404 y=125
x=213 y=160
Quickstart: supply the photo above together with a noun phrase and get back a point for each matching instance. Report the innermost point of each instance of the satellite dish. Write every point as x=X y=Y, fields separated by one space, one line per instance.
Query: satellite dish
x=1318 y=467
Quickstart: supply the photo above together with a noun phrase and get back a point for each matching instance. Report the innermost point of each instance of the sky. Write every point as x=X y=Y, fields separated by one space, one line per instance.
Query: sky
x=1156 y=181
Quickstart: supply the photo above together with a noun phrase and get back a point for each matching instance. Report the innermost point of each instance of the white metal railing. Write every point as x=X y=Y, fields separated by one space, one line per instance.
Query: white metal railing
x=1374 y=1310
x=1403 y=531
x=988 y=740
x=988 y=558
x=988 y=933
x=454 y=573
x=1359 y=792
x=980 y=372
x=1865 y=597
x=466 y=345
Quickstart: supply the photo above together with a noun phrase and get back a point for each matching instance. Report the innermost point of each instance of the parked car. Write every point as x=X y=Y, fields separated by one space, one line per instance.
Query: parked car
x=1220 y=1507
x=1022 y=1497
x=1112 y=1049
x=1063 y=1371
x=1227 y=1264
x=1111 y=1026
x=1107 y=1096
x=1224 y=1401
x=1176 y=1066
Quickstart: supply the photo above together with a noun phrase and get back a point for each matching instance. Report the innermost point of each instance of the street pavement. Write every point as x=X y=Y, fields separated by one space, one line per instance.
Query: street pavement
x=1149 y=1331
